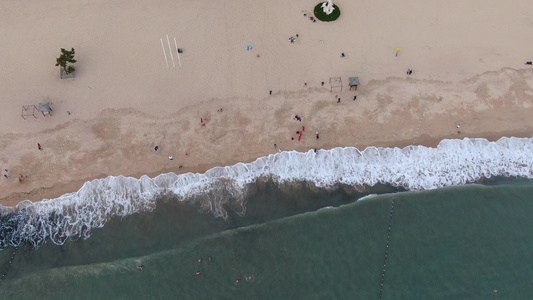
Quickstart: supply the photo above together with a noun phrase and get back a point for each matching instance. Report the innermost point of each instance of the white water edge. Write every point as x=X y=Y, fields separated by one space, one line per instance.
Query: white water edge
x=453 y=162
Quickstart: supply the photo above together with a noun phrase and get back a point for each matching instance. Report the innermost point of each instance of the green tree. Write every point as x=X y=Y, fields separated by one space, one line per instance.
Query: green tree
x=65 y=58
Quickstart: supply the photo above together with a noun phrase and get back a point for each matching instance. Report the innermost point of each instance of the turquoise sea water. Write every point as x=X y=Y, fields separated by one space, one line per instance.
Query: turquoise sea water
x=458 y=242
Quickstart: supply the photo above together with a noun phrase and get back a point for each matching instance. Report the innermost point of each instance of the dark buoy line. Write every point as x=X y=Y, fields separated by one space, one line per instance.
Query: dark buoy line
x=386 y=251
x=8 y=265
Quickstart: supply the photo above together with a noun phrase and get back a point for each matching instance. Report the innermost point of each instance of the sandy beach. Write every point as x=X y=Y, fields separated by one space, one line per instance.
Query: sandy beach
x=130 y=95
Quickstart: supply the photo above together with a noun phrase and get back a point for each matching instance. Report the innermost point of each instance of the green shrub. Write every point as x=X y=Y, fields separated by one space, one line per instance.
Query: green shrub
x=321 y=15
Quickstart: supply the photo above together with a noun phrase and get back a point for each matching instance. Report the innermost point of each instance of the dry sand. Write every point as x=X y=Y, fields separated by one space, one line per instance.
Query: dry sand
x=467 y=60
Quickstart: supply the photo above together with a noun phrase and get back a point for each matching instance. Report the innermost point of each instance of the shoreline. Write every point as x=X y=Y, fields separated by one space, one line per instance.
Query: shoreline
x=58 y=190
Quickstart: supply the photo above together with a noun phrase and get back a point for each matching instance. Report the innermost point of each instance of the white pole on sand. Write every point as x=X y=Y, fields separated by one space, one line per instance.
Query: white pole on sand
x=164 y=53
x=176 y=44
x=170 y=50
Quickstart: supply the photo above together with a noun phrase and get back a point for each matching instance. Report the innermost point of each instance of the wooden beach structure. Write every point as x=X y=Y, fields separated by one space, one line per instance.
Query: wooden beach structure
x=64 y=75
x=354 y=82
x=335 y=82
x=28 y=110
x=45 y=108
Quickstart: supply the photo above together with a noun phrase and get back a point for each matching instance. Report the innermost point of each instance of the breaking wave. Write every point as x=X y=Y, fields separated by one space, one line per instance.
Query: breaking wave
x=453 y=162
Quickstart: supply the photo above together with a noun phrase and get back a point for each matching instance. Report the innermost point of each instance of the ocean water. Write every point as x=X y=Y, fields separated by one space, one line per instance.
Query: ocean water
x=288 y=226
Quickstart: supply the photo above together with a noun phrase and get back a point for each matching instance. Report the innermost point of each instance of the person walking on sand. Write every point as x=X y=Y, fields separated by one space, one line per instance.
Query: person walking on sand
x=317 y=136
x=39 y=146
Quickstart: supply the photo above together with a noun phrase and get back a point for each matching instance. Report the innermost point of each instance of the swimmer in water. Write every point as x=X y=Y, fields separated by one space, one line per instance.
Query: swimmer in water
x=140 y=268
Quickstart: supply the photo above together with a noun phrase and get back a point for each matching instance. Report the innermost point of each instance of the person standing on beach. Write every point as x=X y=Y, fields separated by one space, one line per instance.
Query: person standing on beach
x=39 y=147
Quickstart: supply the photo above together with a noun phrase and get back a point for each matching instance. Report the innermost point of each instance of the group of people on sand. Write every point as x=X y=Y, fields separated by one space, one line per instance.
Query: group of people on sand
x=21 y=177
x=300 y=133
x=292 y=39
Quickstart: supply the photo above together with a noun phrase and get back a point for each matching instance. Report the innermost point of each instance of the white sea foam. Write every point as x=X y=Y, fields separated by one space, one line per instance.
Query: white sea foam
x=453 y=162
x=367 y=197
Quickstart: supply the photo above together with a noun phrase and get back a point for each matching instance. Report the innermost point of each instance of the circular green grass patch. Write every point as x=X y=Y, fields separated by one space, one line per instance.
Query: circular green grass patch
x=321 y=15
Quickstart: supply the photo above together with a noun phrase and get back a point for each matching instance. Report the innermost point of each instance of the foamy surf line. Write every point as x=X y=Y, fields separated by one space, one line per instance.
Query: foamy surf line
x=453 y=162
